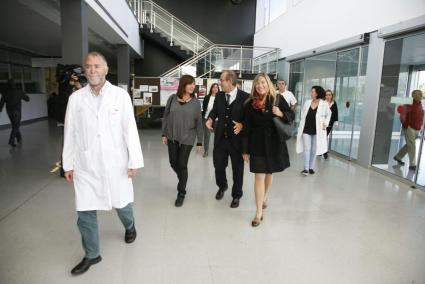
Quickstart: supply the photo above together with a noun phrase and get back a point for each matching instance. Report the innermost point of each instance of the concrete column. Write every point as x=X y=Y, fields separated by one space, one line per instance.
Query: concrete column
x=74 y=31
x=371 y=100
x=123 y=57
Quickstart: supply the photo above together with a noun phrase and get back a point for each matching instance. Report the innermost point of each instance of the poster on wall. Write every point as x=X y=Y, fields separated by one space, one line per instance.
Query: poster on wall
x=199 y=81
x=138 y=102
x=168 y=87
x=136 y=93
x=144 y=88
x=202 y=91
x=153 y=89
x=247 y=86
x=147 y=98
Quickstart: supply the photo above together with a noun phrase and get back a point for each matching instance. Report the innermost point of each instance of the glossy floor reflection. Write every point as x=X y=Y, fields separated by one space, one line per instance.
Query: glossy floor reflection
x=345 y=224
x=403 y=170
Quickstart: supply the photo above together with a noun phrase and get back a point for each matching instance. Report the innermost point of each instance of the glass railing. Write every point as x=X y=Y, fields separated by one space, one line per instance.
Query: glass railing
x=241 y=59
x=159 y=20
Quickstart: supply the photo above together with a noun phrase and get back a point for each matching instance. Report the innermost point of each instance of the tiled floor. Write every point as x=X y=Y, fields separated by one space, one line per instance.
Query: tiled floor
x=345 y=224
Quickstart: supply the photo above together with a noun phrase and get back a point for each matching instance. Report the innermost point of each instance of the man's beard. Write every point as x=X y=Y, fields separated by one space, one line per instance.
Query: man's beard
x=95 y=81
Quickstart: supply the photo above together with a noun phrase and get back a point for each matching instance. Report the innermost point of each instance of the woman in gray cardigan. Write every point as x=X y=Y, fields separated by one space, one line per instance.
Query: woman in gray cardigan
x=181 y=124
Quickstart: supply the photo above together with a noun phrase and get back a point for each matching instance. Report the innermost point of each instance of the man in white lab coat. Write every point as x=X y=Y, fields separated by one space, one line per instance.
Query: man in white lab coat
x=288 y=95
x=101 y=155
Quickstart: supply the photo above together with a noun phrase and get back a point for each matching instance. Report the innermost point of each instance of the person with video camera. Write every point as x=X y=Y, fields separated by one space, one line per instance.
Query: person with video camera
x=70 y=79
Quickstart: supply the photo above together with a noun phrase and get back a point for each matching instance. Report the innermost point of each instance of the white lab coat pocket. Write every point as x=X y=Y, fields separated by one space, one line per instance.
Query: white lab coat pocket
x=115 y=115
x=84 y=160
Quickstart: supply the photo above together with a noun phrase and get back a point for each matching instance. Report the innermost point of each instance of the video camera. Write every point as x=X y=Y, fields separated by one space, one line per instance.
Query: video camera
x=64 y=73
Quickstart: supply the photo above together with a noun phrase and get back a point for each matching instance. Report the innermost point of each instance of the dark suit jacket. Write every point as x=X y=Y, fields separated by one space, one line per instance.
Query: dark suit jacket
x=237 y=114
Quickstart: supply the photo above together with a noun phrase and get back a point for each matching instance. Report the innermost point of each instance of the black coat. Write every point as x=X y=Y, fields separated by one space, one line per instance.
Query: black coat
x=334 y=115
x=205 y=104
x=268 y=152
x=218 y=111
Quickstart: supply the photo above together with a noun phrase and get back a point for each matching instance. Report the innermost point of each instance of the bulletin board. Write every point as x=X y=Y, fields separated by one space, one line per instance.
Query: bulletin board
x=146 y=91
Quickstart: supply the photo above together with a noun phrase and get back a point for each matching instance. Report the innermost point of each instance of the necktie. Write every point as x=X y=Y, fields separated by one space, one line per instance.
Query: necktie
x=227 y=99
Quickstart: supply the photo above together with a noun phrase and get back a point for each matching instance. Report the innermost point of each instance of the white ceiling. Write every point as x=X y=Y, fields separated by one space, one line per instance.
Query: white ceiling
x=34 y=26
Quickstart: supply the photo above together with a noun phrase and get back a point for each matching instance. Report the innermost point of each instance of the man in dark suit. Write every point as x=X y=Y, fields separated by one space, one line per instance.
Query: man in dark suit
x=229 y=109
x=12 y=97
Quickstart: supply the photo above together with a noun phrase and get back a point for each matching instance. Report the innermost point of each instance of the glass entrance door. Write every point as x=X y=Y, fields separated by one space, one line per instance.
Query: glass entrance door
x=349 y=88
x=399 y=150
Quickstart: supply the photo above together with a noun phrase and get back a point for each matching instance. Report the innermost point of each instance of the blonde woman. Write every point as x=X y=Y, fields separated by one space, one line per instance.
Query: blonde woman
x=262 y=146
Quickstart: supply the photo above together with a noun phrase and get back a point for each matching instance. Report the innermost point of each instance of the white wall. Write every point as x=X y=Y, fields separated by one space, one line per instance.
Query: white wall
x=35 y=108
x=121 y=13
x=313 y=23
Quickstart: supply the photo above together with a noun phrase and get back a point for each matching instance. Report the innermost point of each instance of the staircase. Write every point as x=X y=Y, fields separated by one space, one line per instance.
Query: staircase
x=244 y=60
x=159 y=24
x=203 y=58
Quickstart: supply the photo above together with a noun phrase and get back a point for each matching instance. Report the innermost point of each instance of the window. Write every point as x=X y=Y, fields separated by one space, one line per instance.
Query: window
x=267 y=11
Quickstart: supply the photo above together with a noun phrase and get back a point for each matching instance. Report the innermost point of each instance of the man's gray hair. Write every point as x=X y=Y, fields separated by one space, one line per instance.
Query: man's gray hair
x=230 y=76
x=96 y=54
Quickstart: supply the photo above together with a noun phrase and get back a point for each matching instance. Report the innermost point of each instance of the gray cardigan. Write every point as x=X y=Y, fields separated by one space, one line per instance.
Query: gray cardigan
x=182 y=122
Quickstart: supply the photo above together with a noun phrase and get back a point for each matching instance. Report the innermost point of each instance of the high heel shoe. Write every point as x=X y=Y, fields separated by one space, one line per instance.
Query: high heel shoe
x=264 y=204
x=256 y=221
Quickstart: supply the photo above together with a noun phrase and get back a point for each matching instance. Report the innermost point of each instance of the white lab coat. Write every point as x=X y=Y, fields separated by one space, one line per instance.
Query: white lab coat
x=323 y=115
x=100 y=145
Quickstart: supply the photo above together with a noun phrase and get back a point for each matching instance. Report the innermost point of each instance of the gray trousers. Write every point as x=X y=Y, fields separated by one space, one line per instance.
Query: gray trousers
x=87 y=224
x=207 y=134
x=410 y=146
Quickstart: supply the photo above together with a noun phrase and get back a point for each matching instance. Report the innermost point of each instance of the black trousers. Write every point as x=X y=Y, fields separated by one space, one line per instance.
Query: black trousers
x=179 y=157
x=221 y=154
x=15 y=121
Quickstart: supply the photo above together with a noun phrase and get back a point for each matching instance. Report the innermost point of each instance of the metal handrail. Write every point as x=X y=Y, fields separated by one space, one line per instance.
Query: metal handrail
x=147 y=12
x=175 y=19
x=190 y=60
x=150 y=13
x=236 y=57
x=222 y=46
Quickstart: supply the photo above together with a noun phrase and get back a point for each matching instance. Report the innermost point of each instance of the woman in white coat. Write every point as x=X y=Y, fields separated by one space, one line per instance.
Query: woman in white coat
x=312 y=138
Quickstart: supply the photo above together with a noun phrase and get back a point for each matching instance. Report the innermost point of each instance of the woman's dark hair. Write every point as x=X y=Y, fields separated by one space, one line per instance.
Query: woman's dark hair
x=184 y=81
x=319 y=91
x=212 y=86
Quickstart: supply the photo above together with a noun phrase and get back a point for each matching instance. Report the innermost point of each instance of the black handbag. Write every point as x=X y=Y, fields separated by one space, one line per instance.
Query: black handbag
x=284 y=129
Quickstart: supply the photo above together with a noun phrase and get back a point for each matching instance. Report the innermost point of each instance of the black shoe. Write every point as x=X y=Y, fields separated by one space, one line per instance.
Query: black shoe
x=205 y=154
x=220 y=193
x=179 y=201
x=304 y=172
x=85 y=264
x=130 y=235
x=412 y=168
x=311 y=171
x=400 y=162
x=13 y=144
x=235 y=203
x=325 y=156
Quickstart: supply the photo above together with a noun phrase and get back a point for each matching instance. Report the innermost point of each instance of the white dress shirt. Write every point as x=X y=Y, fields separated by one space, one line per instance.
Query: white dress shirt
x=289 y=98
x=233 y=94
